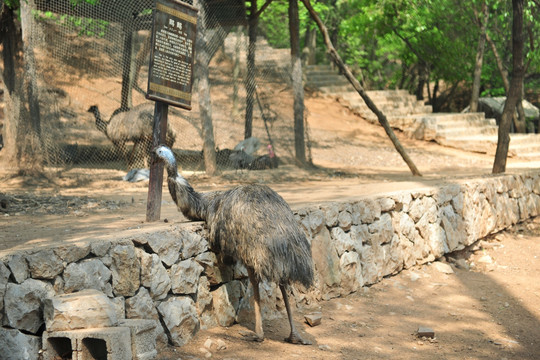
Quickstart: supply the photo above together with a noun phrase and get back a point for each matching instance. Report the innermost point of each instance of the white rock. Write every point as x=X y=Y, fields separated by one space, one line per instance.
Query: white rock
x=18 y=346
x=180 y=318
x=342 y=241
x=154 y=275
x=44 y=264
x=166 y=245
x=81 y=310
x=223 y=309
x=125 y=270
x=366 y=211
x=185 y=276
x=193 y=244
x=4 y=278
x=381 y=230
x=442 y=267
x=19 y=267
x=73 y=252
x=88 y=274
x=351 y=273
x=23 y=304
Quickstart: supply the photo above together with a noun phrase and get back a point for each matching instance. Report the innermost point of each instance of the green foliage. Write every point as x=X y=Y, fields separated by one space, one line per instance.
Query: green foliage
x=395 y=42
x=12 y=4
x=84 y=26
x=274 y=21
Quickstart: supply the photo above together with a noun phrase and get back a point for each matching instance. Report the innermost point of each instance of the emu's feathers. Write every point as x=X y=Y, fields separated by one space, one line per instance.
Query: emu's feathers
x=250 y=223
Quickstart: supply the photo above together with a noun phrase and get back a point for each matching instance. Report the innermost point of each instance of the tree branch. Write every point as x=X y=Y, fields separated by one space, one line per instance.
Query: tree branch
x=348 y=74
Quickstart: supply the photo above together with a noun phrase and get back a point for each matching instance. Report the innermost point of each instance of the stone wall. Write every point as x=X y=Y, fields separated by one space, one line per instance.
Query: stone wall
x=171 y=277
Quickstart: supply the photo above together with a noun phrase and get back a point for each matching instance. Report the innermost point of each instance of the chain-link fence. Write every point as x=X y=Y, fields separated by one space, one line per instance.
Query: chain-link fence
x=92 y=72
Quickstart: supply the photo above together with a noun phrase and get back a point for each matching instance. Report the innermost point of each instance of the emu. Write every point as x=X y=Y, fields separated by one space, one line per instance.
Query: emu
x=251 y=224
x=134 y=125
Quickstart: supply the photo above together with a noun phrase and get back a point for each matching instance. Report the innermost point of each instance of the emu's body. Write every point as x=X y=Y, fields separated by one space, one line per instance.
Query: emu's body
x=135 y=125
x=251 y=224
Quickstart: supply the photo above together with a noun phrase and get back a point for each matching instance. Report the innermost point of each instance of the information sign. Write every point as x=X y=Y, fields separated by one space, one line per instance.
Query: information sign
x=171 y=56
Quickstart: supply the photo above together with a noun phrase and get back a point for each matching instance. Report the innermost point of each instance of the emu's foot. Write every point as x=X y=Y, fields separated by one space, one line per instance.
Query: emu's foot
x=296 y=339
x=251 y=336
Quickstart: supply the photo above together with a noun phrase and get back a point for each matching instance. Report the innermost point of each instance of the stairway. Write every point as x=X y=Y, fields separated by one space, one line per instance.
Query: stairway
x=466 y=131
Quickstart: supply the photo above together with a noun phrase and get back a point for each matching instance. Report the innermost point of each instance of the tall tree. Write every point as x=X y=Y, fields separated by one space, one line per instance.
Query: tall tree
x=206 y=45
x=298 y=88
x=354 y=82
x=253 y=20
x=482 y=24
x=24 y=147
x=514 y=93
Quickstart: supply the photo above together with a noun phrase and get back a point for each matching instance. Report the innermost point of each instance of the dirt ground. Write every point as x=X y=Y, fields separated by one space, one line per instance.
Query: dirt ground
x=488 y=308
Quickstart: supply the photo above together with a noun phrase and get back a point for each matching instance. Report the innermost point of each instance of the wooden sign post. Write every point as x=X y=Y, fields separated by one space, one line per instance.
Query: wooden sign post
x=170 y=79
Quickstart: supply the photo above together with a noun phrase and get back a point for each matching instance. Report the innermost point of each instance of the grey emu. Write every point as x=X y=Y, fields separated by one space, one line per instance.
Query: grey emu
x=251 y=224
x=135 y=125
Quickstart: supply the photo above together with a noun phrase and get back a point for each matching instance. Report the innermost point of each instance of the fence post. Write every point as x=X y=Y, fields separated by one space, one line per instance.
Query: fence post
x=155 y=184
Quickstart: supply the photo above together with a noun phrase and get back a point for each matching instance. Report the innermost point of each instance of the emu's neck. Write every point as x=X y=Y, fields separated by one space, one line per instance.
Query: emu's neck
x=100 y=123
x=191 y=203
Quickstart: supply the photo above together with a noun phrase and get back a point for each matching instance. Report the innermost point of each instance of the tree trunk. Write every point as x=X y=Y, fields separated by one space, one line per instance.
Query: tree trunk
x=236 y=72
x=250 y=78
x=31 y=159
x=498 y=60
x=298 y=88
x=479 y=59
x=514 y=93
x=345 y=70
x=12 y=43
x=519 y=120
x=202 y=60
x=310 y=46
x=128 y=70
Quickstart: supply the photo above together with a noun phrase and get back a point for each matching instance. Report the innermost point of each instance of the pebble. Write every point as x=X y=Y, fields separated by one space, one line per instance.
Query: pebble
x=442 y=267
x=425 y=332
x=462 y=264
x=485 y=259
x=313 y=319
x=324 y=347
x=208 y=343
x=221 y=345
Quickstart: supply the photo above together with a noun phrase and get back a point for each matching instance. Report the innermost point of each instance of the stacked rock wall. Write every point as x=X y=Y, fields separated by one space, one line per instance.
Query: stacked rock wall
x=171 y=277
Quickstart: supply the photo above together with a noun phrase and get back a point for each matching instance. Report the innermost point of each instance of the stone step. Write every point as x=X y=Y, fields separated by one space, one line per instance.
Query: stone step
x=319 y=68
x=322 y=81
x=336 y=89
x=530 y=156
x=455 y=132
x=488 y=144
x=524 y=139
x=382 y=98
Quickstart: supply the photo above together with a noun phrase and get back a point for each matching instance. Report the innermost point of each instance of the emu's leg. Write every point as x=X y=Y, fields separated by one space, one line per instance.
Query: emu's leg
x=256 y=306
x=294 y=337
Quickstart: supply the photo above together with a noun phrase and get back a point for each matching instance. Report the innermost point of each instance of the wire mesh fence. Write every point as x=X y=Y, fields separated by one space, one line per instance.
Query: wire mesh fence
x=92 y=72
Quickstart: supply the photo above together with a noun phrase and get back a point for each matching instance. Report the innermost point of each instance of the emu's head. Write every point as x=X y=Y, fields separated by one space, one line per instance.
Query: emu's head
x=100 y=124
x=165 y=154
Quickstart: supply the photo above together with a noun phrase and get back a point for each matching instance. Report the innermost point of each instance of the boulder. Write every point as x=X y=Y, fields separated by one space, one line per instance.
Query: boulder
x=88 y=274
x=126 y=270
x=16 y=345
x=23 y=304
x=180 y=317
x=19 y=267
x=80 y=310
x=223 y=308
x=185 y=276
x=44 y=264
x=154 y=276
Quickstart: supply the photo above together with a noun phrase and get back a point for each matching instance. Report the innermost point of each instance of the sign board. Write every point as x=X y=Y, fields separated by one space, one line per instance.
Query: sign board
x=171 y=56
